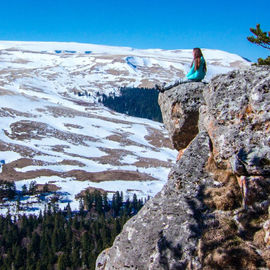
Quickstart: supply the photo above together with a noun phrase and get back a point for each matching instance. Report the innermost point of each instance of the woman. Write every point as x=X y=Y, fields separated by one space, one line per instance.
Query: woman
x=196 y=73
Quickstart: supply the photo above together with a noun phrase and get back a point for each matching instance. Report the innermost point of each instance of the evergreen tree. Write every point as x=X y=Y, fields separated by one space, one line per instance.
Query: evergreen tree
x=7 y=189
x=34 y=245
x=62 y=262
x=19 y=257
x=75 y=258
x=105 y=202
x=127 y=207
x=24 y=190
x=55 y=241
x=116 y=227
x=81 y=207
x=33 y=187
x=135 y=203
x=139 y=102
x=58 y=240
x=98 y=202
x=68 y=240
x=262 y=39
x=45 y=188
x=18 y=204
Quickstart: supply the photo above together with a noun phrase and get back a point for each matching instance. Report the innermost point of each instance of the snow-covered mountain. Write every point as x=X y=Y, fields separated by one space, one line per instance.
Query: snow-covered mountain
x=51 y=134
x=69 y=67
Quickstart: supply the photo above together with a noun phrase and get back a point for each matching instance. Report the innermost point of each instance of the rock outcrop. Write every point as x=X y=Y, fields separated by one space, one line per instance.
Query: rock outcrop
x=180 y=112
x=213 y=211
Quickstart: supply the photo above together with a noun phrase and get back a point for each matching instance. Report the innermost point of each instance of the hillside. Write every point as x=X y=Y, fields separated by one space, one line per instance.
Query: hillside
x=69 y=67
x=53 y=130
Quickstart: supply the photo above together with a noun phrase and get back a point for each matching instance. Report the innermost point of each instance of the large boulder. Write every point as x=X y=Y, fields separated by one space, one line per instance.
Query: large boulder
x=236 y=116
x=213 y=211
x=180 y=112
x=165 y=233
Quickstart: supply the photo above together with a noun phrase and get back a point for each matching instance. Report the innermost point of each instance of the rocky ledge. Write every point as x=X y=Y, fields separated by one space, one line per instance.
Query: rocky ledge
x=213 y=213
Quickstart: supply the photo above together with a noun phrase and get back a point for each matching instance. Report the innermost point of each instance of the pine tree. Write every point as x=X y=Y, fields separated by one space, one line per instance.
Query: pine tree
x=55 y=240
x=19 y=257
x=116 y=227
x=68 y=236
x=135 y=204
x=105 y=202
x=33 y=187
x=62 y=262
x=61 y=240
x=98 y=202
x=24 y=190
x=69 y=212
x=18 y=204
x=75 y=257
x=34 y=245
x=81 y=207
x=262 y=39
x=127 y=207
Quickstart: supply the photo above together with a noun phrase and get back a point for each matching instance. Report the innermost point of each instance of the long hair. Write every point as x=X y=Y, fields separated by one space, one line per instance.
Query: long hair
x=197 y=59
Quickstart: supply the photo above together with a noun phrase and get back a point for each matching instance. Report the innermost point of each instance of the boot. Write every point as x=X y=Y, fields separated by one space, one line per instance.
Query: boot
x=160 y=88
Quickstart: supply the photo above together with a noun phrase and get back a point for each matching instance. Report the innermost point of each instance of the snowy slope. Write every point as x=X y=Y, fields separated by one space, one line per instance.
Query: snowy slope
x=50 y=134
x=69 y=67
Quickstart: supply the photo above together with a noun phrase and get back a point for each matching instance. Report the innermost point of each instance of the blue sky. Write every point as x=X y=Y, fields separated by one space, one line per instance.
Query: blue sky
x=165 y=24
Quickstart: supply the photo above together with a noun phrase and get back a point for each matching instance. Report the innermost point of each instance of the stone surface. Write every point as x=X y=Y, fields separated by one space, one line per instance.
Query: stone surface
x=237 y=119
x=164 y=234
x=180 y=112
x=213 y=211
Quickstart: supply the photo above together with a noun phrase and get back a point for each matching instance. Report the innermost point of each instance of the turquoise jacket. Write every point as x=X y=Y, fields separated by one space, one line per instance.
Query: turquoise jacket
x=197 y=75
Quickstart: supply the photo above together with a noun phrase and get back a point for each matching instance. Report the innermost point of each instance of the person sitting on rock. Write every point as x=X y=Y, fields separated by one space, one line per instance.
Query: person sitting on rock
x=196 y=73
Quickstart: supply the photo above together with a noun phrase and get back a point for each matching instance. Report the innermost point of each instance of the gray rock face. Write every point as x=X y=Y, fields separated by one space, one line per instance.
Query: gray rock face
x=237 y=118
x=180 y=112
x=197 y=221
x=164 y=234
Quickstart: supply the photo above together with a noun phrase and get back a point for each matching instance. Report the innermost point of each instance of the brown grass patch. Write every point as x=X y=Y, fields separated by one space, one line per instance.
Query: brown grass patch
x=227 y=197
x=117 y=72
x=233 y=258
x=237 y=64
x=108 y=175
x=145 y=83
x=123 y=140
x=113 y=156
x=10 y=174
x=5 y=92
x=115 y=138
x=224 y=197
x=157 y=139
x=71 y=126
x=8 y=112
x=24 y=162
x=152 y=162
x=90 y=190
x=222 y=248
x=67 y=112
x=49 y=187
x=25 y=129
x=72 y=162
x=22 y=150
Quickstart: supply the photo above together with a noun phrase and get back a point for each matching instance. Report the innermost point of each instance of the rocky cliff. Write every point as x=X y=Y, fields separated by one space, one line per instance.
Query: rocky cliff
x=213 y=211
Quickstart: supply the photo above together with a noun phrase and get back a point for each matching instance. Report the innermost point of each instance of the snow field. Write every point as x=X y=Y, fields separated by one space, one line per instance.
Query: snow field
x=42 y=111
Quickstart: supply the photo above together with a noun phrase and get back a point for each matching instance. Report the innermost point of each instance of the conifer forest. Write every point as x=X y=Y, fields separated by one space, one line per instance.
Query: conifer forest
x=138 y=102
x=63 y=239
